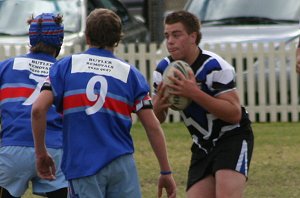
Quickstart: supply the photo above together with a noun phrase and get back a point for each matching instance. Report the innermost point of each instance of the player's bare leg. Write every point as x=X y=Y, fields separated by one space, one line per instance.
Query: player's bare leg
x=203 y=189
x=230 y=184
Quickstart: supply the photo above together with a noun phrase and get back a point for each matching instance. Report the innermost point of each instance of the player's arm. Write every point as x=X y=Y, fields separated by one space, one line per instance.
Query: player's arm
x=157 y=140
x=298 y=57
x=160 y=103
x=45 y=164
x=155 y=136
x=225 y=106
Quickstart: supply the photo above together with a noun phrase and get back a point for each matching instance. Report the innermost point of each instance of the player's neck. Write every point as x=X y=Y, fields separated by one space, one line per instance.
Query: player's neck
x=106 y=48
x=194 y=53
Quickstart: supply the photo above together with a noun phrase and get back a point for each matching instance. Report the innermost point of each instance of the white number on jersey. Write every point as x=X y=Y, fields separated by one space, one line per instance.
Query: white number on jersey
x=93 y=97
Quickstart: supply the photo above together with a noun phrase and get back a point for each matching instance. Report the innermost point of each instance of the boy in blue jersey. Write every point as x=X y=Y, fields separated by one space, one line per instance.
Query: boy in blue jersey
x=21 y=79
x=219 y=126
x=97 y=92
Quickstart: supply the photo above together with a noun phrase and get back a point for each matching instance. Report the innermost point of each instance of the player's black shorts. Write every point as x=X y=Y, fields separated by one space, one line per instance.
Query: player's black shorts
x=231 y=152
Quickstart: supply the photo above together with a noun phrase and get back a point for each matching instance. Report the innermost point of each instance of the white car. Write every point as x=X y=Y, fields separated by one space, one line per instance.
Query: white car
x=240 y=21
x=14 y=14
x=250 y=21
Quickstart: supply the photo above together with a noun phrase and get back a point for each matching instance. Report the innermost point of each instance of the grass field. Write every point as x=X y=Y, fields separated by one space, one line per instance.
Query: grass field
x=274 y=171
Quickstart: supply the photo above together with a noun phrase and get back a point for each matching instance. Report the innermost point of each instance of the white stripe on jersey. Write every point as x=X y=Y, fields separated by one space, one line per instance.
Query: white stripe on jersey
x=191 y=122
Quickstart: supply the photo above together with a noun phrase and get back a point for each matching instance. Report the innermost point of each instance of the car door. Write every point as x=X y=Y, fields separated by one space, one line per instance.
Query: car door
x=134 y=30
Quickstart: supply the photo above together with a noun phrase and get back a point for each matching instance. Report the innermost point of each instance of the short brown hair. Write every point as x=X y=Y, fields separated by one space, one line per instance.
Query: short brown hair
x=189 y=21
x=103 y=28
x=44 y=48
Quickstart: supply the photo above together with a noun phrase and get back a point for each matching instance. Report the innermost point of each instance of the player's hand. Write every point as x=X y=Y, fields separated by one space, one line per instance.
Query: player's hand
x=161 y=99
x=45 y=167
x=161 y=103
x=183 y=86
x=167 y=182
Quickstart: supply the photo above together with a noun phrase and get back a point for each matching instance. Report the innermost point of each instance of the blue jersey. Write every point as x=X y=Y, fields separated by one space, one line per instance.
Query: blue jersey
x=21 y=79
x=96 y=92
x=214 y=76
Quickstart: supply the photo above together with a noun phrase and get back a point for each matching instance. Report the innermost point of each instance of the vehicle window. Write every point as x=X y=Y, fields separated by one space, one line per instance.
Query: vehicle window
x=208 y=10
x=118 y=8
x=90 y=7
x=13 y=24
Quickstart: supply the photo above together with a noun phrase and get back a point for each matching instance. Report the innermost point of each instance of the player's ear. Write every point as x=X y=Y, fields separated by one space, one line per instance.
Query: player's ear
x=87 y=39
x=193 y=37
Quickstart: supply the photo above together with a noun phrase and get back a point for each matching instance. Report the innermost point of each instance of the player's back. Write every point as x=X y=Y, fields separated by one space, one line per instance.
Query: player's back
x=96 y=92
x=21 y=80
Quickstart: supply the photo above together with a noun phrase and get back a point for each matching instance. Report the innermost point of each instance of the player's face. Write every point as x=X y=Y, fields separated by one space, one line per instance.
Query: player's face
x=179 y=42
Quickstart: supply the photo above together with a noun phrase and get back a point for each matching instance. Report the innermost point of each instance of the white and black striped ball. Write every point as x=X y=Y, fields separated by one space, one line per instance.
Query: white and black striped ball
x=178 y=103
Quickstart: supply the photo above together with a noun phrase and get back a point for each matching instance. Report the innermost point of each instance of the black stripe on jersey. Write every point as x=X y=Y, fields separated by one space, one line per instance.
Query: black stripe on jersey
x=219 y=86
x=199 y=61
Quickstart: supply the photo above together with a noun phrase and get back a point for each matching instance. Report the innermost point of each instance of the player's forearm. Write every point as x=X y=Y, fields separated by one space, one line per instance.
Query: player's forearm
x=158 y=145
x=161 y=115
x=38 y=122
x=156 y=137
x=159 y=110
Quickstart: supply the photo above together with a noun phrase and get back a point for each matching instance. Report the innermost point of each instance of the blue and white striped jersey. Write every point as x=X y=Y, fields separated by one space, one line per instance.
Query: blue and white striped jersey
x=214 y=76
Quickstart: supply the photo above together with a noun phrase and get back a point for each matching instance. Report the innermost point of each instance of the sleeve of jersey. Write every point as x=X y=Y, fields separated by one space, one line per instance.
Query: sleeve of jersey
x=142 y=99
x=4 y=65
x=220 y=79
x=158 y=72
x=2 y=68
x=57 y=84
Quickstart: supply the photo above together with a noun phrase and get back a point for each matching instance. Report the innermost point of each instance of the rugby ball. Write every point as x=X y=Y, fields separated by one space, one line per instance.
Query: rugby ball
x=178 y=103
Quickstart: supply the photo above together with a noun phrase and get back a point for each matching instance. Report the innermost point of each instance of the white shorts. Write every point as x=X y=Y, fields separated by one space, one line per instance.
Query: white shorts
x=17 y=169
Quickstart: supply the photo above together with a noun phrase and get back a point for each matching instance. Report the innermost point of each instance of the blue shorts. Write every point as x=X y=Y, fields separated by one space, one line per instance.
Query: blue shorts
x=119 y=179
x=17 y=169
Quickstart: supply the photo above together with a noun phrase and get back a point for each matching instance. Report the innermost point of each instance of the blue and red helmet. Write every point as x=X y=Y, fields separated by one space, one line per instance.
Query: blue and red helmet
x=48 y=29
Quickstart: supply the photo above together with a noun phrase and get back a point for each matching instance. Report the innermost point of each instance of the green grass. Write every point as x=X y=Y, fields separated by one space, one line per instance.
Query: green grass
x=274 y=171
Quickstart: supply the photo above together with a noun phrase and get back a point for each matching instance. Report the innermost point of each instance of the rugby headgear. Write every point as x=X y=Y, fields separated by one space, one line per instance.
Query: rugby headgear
x=47 y=29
